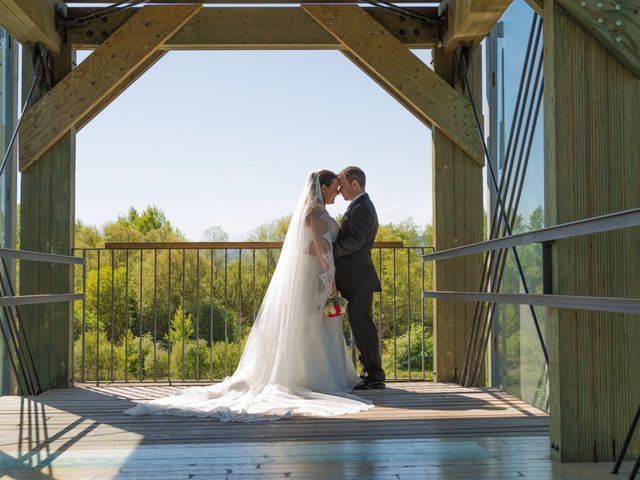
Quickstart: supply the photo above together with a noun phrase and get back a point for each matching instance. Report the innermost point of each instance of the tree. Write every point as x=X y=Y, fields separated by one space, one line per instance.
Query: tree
x=274 y=231
x=215 y=233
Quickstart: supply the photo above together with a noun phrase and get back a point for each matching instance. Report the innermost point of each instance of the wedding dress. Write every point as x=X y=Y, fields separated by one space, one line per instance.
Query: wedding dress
x=295 y=360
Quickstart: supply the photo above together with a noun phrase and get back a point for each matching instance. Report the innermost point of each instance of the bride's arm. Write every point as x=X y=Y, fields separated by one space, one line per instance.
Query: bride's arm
x=319 y=243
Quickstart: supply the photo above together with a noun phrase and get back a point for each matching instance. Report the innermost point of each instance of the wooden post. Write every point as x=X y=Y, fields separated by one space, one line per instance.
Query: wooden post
x=8 y=102
x=47 y=222
x=592 y=116
x=457 y=220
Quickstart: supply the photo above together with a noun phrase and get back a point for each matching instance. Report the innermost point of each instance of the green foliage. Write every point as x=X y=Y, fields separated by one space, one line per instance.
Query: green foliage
x=112 y=283
x=152 y=218
x=522 y=361
x=87 y=236
x=181 y=327
x=204 y=302
x=404 y=353
x=215 y=233
x=274 y=231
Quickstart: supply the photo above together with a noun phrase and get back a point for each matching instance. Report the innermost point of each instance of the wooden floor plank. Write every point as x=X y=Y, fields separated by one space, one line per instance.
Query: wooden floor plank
x=416 y=430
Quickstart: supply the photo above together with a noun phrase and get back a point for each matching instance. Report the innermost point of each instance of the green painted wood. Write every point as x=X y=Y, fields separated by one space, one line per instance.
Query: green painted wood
x=47 y=224
x=592 y=120
x=457 y=221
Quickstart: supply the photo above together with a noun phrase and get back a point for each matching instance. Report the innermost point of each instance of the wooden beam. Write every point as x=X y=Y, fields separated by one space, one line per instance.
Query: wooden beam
x=591 y=119
x=98 y=77
x=254 y=28
x=457 y=220
x=255 y=2
x=47 y=224
x=537 y=5
x=615 y=24
x=469 y=21
x=402 y=73
x=115 y=93
x=31 y=22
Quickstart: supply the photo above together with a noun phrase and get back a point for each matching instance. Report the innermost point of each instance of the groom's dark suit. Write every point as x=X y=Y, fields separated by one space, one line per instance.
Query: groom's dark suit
x=356 y=279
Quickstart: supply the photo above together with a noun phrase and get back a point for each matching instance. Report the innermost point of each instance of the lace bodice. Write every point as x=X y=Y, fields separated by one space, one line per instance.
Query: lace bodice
x=334 y=228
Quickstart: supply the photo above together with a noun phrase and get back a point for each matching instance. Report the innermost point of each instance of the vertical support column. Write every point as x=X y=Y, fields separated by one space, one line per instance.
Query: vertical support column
x=47 y=223
x=592 y=114
x=8 y=112
x=457 y=220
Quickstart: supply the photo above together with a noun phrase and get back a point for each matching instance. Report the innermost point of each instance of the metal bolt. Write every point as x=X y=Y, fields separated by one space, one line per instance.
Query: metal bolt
x=600 y=20
x=618 y=22
x=617 y=6
x=416 y=32
x=618 y=38
x=402 y=32
x=599 y=4
x=583 y=4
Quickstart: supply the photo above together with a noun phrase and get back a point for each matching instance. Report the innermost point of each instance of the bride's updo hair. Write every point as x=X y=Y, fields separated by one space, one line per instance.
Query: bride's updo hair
x=326 y=177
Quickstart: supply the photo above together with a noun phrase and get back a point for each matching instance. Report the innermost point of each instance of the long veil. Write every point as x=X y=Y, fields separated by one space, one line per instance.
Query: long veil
x=294 y=361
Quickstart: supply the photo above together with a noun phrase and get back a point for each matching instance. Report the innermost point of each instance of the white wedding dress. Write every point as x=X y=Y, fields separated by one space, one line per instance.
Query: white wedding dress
x=295 y=361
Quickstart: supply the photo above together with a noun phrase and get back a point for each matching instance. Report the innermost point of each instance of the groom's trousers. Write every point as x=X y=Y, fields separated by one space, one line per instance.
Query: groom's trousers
x=365 y=333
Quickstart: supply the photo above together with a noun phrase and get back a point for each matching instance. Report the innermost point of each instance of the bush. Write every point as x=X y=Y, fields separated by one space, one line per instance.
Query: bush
x=403 y=353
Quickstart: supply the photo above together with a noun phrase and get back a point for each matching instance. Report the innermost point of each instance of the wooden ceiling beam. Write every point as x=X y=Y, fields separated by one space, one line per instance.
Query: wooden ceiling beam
x=98 y=78
x=537 y=5
x=615 y=24
x=31 y=22
x=469 y=21
x=401 y=73
x=251 y=28
x=253 y=2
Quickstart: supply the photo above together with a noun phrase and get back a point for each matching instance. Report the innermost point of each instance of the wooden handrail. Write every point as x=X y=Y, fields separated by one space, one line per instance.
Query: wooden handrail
x=215 y=245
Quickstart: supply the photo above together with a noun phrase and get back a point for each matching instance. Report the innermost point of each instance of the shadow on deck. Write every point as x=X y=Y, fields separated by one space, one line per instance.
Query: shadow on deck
x=417 y=430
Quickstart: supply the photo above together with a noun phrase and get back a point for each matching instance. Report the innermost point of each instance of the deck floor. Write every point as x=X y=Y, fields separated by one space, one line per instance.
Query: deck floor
x=417 y=430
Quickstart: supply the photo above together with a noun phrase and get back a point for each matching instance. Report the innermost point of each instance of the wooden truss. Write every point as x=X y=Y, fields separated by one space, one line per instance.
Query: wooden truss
x=128 y=42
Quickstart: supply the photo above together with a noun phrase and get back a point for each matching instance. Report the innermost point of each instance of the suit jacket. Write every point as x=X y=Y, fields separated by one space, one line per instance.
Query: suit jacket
x=355 y=272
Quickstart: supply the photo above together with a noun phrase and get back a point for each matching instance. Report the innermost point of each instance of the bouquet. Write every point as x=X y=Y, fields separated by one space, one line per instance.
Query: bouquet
x=336 y=306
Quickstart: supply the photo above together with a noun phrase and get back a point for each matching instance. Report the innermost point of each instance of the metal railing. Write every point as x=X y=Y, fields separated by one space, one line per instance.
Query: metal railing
x=604 y=223
x=11 y=326
x=181 y=311
x=545 y=236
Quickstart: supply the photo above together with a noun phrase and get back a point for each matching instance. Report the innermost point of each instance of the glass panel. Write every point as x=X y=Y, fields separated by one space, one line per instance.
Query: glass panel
x=6 y=124
x=518 y=363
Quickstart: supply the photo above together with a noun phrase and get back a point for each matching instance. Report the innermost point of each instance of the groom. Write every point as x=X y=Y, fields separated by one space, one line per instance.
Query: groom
x=356 y=277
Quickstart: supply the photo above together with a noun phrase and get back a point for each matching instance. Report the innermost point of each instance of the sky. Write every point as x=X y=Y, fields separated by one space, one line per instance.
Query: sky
x=228 y=137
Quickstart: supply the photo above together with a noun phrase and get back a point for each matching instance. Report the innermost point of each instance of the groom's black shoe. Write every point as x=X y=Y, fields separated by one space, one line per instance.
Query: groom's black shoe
x=368 y=384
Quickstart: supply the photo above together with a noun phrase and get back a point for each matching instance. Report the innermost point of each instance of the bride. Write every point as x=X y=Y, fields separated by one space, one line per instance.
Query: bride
x=295 y=360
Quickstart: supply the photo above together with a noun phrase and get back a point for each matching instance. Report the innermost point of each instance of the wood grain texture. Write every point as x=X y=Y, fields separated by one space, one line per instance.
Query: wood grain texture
x=469 y=21
x=433 y=5
x=47 y=223
x=536 y=5
x=592 y=113
x=457 y=220
x=256 y=28
x=115 y=93
x=31 y=22
x=402 y=73
x=416 y=430
x=97 y=77
x=614 y=23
